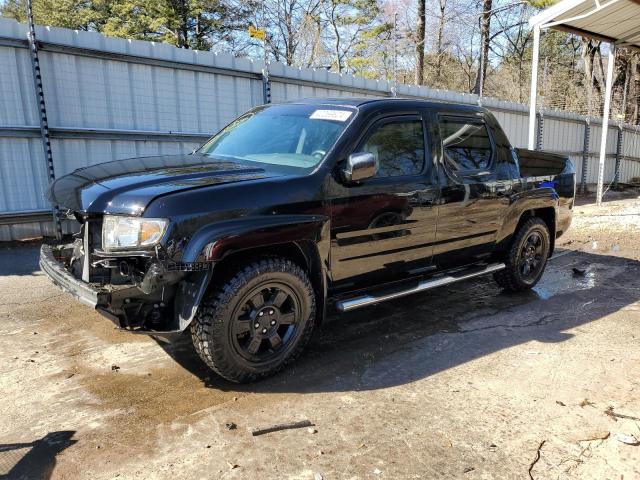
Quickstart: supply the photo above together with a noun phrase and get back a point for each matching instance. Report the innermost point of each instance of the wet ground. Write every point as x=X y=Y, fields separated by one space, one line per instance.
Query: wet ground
x=461 y=382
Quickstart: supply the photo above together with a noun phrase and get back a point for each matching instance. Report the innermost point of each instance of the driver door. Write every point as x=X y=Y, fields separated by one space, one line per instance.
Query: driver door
x=383 y=228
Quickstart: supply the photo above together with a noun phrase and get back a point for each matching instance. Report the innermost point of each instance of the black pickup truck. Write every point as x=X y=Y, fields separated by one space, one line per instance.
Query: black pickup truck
x=296 y=208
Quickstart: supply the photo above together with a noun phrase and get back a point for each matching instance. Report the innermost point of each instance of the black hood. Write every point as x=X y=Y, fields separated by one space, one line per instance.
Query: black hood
x=128 y=186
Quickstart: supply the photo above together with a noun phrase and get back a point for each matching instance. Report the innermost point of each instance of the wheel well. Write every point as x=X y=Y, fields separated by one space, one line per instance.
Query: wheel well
x=548 y=216
x=231 y=262
x=304 y=254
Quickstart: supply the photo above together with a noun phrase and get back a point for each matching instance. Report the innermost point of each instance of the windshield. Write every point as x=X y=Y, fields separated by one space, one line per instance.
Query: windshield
x=290 y=135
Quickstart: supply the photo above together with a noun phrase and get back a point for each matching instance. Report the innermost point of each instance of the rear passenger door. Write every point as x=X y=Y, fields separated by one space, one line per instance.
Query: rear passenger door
x=473 y=197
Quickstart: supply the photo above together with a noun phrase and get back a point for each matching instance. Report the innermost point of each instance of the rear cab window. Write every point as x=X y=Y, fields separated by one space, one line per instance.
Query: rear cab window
x=466 y=145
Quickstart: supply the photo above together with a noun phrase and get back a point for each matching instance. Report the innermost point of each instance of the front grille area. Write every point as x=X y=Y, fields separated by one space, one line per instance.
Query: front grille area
x=88 y=239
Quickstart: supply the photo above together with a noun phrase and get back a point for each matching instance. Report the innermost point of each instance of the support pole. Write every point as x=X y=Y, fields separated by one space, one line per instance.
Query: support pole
x=585 y=156
x=540 y=131
x=44 y=123
x=266 y=86
x=534 y=88
x=619 y=143
x=611 y=60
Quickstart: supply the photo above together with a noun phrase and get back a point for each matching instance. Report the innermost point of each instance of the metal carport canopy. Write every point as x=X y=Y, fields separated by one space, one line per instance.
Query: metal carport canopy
x=616 y=22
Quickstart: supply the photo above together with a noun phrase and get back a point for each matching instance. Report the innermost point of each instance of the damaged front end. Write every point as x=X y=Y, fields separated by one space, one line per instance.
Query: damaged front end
x=140 y=291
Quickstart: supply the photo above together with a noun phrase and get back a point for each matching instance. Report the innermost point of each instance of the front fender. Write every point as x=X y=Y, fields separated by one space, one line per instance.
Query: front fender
x=213 y=242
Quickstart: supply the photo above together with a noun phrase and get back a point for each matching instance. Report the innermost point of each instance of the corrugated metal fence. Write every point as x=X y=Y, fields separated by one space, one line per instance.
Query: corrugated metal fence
x=110 y=98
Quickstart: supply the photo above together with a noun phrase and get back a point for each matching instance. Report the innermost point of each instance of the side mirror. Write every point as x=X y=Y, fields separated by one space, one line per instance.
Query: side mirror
x=359 y=166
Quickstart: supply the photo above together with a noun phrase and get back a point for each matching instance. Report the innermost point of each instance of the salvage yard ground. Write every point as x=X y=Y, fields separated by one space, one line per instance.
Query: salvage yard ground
x=460 y=382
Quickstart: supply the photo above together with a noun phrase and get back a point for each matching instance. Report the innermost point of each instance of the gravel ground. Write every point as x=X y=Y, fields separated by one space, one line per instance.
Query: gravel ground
x=462 y=382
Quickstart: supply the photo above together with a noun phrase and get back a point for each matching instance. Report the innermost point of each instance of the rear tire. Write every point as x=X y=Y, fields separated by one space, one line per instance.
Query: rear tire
x=257 y=322
x=526 y=257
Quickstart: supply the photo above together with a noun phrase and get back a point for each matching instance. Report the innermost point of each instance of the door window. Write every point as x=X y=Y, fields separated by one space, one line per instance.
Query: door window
x=397 y=146
x=466 y=145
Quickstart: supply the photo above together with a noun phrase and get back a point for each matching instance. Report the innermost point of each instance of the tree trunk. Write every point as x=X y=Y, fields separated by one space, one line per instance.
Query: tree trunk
x=420 y=43
x=289 y=40
x=336 y=32
x=520 y=79
x=316 y=45
x=588 y=73
x=440 y=47
x=625 y=87
x=199 y=34
x=485 y=28
x=184 y=24
x=635 y=118
x=589 y=51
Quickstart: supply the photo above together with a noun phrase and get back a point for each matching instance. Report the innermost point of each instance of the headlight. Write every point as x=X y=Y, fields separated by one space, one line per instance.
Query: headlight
x=131 y=232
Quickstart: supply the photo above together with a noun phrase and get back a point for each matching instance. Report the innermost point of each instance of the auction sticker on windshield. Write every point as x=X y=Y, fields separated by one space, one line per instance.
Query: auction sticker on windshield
x=339 y=115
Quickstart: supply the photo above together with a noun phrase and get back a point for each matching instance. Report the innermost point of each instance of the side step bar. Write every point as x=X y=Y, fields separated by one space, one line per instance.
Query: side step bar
x=363 y=301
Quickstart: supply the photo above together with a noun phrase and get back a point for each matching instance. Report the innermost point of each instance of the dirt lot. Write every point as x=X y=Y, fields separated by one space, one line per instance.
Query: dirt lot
x=462 y=382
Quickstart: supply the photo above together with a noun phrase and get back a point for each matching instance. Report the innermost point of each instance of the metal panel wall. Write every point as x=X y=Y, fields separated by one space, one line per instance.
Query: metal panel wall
x=110 y=98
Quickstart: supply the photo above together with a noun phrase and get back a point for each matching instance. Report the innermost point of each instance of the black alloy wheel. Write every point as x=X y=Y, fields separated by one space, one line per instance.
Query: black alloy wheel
x=265 y=321
x=526 y=257
x=257 y=321
x=532 y=255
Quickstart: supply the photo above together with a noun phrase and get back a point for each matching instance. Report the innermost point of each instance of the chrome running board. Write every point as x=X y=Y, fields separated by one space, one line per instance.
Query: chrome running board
x=363 y=301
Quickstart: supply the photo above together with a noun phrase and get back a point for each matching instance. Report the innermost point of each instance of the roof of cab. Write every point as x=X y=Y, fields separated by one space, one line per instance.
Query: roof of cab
x=386 y=101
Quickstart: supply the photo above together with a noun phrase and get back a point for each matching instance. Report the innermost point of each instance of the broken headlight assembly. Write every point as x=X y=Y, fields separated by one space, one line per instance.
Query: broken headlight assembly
x=125 y=233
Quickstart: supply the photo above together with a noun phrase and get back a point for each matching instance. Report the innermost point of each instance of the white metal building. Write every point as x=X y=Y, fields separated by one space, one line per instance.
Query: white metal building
x=616 y=22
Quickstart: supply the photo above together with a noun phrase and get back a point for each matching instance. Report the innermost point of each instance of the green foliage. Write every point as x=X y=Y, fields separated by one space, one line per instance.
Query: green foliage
x=143 y=20
x=368 y=59
x=542 y=3
x=78 y=15
x=349 y=21
x=368 y=56
x=356 y=12
x=186 y=23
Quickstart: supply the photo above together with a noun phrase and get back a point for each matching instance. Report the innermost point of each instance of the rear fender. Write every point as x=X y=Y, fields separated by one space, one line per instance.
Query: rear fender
x=541 y=198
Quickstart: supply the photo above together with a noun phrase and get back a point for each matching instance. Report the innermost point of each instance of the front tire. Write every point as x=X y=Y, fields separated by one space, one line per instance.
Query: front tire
x=526 y=257
x=257 y=322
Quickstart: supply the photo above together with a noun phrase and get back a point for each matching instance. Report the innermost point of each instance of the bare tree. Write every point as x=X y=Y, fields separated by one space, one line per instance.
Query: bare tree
x=629 y=81
x=312 y=50
x=440 y=45
x=284 y=20
x=591 y=52
x=485 y=31
x=420 y=33
x=514 y=50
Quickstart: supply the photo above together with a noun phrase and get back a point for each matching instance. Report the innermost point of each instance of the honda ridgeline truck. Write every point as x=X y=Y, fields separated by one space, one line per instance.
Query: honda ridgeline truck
x=298 y=208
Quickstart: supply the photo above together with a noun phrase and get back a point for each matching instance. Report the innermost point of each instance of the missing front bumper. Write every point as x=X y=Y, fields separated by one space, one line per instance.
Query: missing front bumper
x=116 y=302
x=101 y=299
x=56 y=272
